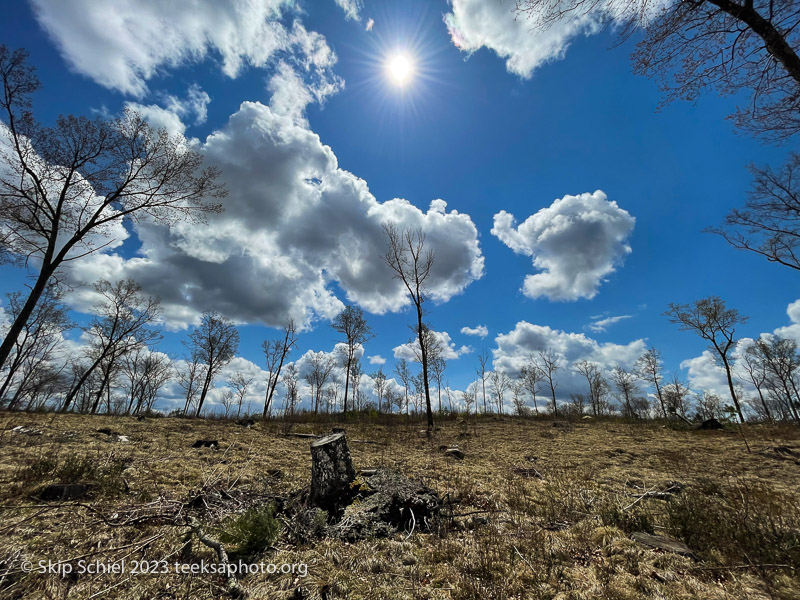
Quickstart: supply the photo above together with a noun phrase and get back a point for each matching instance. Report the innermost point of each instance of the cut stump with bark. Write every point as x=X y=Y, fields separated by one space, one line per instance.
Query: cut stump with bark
x=331 y=471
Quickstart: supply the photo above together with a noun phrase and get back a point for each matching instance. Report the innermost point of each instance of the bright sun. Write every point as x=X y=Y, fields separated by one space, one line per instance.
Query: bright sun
x=400 y=69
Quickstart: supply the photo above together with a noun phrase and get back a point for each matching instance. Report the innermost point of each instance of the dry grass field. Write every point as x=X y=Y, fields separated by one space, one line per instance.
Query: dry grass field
x=535 y=510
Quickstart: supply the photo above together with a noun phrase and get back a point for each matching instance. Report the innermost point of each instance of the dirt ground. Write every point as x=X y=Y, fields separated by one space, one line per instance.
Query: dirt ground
x=536 y=509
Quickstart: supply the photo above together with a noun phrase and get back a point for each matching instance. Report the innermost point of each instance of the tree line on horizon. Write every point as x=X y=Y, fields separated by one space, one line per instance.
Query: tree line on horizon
x=63 y=186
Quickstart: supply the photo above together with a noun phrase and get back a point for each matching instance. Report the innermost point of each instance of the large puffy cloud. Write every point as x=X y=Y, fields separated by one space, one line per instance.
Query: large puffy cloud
x=121 y=45
x=521 y=39
x=575 y=242
x=294 y=223
x=474 y=24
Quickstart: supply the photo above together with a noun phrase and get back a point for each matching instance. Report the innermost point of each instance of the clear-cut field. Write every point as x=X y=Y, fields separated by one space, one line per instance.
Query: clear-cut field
x=541 y=511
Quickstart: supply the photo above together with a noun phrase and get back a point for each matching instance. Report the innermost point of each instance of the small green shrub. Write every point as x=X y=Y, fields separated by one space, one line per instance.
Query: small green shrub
x=252 y=531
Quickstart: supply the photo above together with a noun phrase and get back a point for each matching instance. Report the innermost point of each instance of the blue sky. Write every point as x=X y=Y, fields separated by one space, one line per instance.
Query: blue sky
x=470 y=128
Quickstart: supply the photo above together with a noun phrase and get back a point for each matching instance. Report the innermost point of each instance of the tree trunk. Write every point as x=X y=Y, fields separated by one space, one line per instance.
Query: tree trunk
x=76 y=388
x=24 y=314
x=774 y=41
x=346 y=382
x=331 y=470
x=424 y=356
x=103 y=383
x=206 y=385
x=730 y=386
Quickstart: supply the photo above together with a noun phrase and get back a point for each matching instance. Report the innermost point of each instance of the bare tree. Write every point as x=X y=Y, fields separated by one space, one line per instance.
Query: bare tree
x=577 y=404
x=676 y=395
x=190 y=378
x=291 y=380
x=648 y=367
x=380 y=386
x=598 y=387
x=501 y=383
x=782 y=364
x=359 y=397
x=735 y=46
x=625 y=382
x=438 y=366
x=518 y=397
x=756 y=369
x=275 y=353
x=483 y=361
x=123 y=315
x=63 y=187
x=470 y=395
x=37 y=345
x=709 y=405
x=321 y=367
x=531 y=376
x=214 y=343
x=403 y=372
x=146 y=373
x=412 y=264
x=714 y=322
x=769 y=224
x=550 y=364
x=356 y=331
x=240 y=383
x=227 y=401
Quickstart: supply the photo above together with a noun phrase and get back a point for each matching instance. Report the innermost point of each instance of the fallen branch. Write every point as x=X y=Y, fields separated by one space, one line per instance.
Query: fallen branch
x=234 y=588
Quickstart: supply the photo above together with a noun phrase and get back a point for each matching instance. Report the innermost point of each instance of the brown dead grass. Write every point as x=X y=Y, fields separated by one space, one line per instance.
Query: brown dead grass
x=564 y=536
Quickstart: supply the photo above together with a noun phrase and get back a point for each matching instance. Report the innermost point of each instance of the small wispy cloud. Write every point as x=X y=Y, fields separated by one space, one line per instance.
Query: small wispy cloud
x=481 y=331
x=370 y=24
x=604 y=324
x=377 y=359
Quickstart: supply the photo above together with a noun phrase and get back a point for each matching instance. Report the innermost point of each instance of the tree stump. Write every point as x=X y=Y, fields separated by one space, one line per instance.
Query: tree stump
x=331 y=471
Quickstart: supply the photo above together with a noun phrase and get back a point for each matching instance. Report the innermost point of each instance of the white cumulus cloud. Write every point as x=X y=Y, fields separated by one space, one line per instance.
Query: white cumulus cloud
x=575 y=242
x=410 y=350
x=294 y=223
x=519 y=38
x=480 y=331
x=121 y=45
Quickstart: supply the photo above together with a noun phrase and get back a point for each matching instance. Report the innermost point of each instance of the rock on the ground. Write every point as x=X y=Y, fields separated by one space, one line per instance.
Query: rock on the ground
x=455 y=453
x=206 y=444
x=711 y=424
x=662 y=543
x=64 y=491
x=26 y=430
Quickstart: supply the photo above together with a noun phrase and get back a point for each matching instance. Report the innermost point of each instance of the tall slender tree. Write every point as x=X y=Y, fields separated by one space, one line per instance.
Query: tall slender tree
x=713 y=321
x=214 y=343
x=275 y=353
x=412 y=262
x=352 y=324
